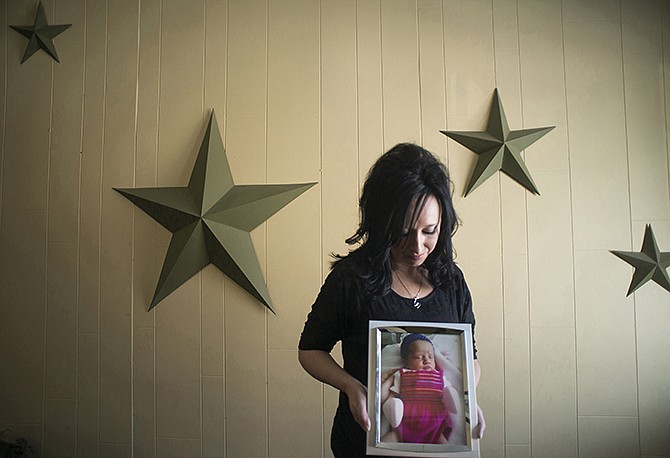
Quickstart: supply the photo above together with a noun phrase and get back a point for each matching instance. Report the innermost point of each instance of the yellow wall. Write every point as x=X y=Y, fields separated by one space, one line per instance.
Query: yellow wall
x=315 y=91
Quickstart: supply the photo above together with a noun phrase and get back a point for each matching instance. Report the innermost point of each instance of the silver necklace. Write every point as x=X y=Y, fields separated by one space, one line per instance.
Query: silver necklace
x=416 y=304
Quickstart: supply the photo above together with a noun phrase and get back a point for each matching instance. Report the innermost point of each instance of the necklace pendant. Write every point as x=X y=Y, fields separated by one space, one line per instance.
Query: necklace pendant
x=417 y=304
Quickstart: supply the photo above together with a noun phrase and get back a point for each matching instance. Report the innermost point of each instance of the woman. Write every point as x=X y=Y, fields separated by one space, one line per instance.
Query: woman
x=402 y=270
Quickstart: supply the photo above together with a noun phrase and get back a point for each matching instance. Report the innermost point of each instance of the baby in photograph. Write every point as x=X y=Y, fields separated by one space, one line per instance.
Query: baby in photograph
x=417 y=399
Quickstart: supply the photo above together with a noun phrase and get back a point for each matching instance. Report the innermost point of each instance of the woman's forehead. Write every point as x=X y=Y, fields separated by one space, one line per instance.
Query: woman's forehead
x=424 y=208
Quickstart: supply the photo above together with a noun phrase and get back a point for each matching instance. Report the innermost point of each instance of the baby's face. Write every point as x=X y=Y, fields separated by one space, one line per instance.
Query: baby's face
x=421 y=356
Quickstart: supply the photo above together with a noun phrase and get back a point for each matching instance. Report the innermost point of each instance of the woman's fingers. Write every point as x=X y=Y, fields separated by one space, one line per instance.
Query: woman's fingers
x=358 y=404
x=481 y=423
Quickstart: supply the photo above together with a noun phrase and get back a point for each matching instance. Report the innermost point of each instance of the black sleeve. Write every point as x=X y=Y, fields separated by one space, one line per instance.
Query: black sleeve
x=326 y=321
x=467 y=315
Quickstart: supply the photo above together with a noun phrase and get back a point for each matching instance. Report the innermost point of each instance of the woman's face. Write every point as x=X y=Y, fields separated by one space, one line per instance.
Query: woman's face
x=418 y=241
x=421 y=356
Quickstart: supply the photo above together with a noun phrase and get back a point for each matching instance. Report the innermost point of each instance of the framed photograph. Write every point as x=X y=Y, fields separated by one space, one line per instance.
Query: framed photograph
x=421 y=390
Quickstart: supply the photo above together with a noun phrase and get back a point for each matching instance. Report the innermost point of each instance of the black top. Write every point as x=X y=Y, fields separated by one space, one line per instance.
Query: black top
x=342 y=311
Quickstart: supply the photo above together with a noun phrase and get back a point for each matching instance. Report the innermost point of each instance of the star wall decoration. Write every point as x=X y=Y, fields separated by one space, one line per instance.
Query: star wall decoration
x=40 y=35
x=649 y=264
x=211 y=219
x=499 y=148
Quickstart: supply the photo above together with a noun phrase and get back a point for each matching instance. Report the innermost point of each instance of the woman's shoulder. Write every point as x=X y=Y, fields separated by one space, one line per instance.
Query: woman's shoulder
x=345 y=271
x=455 y=285
x=349 y=266
x=452 y=278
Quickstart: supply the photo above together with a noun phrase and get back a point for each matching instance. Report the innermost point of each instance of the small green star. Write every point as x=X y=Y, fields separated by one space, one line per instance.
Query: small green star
x=211 y=219
x=649 y=264
x=499 y=148
x=40 y=35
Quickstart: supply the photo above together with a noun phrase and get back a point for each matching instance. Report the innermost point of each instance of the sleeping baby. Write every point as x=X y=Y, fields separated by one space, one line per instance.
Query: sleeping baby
x=417 y=398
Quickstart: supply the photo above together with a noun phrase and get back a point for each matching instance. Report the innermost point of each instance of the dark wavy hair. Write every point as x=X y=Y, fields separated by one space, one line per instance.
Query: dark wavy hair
x=405 y=174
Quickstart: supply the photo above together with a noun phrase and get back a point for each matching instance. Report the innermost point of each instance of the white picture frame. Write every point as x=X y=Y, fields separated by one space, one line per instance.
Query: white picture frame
x=453 y=350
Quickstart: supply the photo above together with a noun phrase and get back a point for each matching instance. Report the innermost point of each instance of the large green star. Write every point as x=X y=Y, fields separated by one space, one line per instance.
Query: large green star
x=40 y=35
x=650 y=263
x=499 y=148
x=210 y=220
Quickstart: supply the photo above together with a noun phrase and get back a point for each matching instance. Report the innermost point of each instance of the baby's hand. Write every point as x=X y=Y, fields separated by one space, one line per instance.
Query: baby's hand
x=388 y=374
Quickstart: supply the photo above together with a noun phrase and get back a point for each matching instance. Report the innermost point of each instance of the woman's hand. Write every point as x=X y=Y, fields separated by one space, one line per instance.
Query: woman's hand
x=481 y=423
x=358 y=403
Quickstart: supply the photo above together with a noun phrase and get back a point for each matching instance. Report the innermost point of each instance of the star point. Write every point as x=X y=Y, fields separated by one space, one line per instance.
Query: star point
x=499 y=148
x=211 y=219
x=40 y=35
x=650 y=263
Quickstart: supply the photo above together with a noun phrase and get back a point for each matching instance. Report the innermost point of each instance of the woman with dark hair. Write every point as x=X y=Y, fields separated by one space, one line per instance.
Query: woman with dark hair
x=403 y=269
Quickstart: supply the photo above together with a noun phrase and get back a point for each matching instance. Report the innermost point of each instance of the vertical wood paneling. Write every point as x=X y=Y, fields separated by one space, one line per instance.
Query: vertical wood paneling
x=369 y=85
x=144 y=391
x=604 y=315
x=294 y=238
x=22 y=314
x=216 y=44
x=645 y=111
x=246 y=375
x=301 y=435
x=213 y=409
x=514 y=242
x=60 y=420
x=518 y=451
x=89 y=233
x=554 y=405
x=432 y=79
x=245 y=338
x=370 y=137
x=3 y=93
x=550 y=259
x=178 y=382
x=87 y=395
x=599 y=201
x=145 y=271
x=180 y=130
x=652 y=310
x=597 y=133
x=66 y=125
x=212 y=354
x=212 y=348
x=91 y=170
x=178 y=448
x=23 y=230
x=608 y=436
x=60 y=427
x=576 y=10
x=145 y=274
x=28 y=99
x=470 y=83
x=116 y=231
x=343 y=94
x=339 y=150
x=293 y=90
x=115 y=451
x=642 y=37
x=61 y=322
x=400 y=47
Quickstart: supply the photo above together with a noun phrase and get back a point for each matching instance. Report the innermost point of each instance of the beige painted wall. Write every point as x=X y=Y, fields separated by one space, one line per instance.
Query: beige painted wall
x=314 y=91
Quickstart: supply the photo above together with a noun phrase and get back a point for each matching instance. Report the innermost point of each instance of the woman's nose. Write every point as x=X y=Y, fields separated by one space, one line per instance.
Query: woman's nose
x=415 y=243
